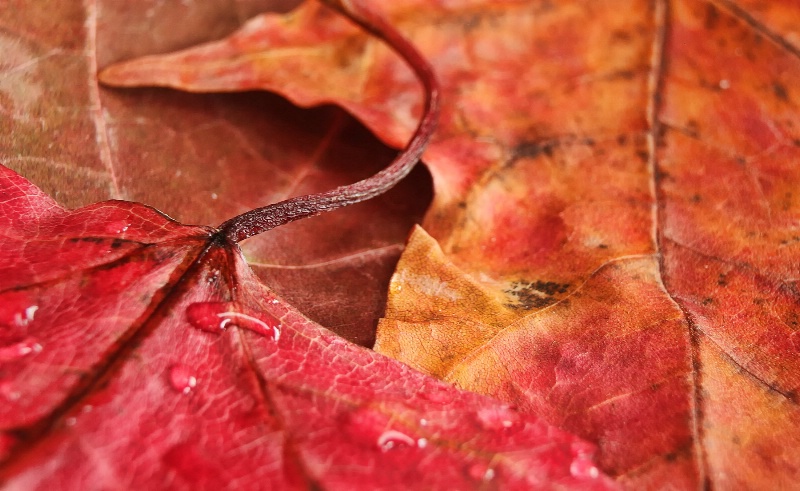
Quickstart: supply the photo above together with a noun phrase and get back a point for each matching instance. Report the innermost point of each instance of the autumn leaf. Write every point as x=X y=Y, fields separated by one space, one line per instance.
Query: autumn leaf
x=138 y=352
x=612 y=243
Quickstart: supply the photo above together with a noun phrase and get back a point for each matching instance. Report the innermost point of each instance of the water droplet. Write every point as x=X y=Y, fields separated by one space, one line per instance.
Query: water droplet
x=480 y=472
x=213 y=277
x=364 y=425
x=22 y=319
x=71 y=421
x=393 y=439
x=19 y=350
x=8 y=391
x=423 y=422
x=584 y=469
x=583 y=450
x=436 y=394
x=17 y=310
x=182 y=378
x=724 y=84
x=582 y=466
x=217 y=316
x=117 y=227
x=497 y=418
x=369 y=427
x=214 y=196
x=204 y=316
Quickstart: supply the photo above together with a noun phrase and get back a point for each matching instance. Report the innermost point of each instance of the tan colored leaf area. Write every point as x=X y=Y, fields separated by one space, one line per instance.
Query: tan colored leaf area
x=614 y=238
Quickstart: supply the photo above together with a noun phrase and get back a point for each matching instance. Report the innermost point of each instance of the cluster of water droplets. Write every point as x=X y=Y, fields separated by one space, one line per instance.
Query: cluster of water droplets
x=20 y=349
x=582 y=466
x=182 y=378
x=118 y=227
x=16 y=326
x=480 y=471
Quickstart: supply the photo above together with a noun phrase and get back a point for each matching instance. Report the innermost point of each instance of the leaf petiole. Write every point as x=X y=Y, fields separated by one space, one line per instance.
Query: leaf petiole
x=274 y=215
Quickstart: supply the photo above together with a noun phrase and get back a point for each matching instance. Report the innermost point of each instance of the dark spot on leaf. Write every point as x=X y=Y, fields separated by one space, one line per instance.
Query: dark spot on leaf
x=116 y=243
x=692 y=129
x=622 y=140
x=780 y=91
x=661 y=175
x=533 y=149
x=708 y=301
x=602 y=246
x=696 y=198
x=721 y=280
x=621 y=35
x=643 y=155
x=712 y=17
x=626 y=74
x=535 y=294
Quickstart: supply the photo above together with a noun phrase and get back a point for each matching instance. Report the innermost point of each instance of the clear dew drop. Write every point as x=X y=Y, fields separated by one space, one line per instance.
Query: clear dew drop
x=212 y=277
x=582 y=468
x=497 y=418
x=218 y=316
x=364 y=425
x=480 y=472
x=182 y=378
x=22 y=319
x=9 y=392
x=118 y=227
x=17 y=310
x=393 y=439
x=203 y=316
x=436 y=394
x=21 y=349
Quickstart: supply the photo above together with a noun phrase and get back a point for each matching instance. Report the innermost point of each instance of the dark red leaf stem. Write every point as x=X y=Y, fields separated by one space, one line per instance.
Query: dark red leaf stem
x=268 y=217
